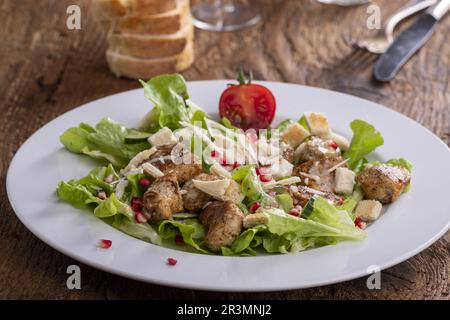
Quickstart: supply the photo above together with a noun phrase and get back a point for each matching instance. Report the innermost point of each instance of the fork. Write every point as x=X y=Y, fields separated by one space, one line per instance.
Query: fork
x=384 y=37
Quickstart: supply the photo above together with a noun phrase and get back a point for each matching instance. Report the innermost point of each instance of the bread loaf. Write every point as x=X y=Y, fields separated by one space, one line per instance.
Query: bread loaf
x=149 y=45
x=113 y=9
x=164 y=23
x=136 y=68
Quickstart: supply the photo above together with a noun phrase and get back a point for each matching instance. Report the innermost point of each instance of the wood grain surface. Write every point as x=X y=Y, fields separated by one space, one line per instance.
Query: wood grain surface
x=47 y=70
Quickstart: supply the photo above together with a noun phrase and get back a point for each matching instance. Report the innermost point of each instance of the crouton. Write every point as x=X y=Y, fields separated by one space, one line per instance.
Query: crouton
x=368 y=210
x=294 y=134
x=344 y=181
x=318 y=124
x=254 y=219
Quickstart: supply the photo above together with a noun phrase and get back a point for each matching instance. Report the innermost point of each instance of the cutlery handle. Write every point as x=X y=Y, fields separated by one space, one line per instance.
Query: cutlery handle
x=405 y=12
x=440 y=9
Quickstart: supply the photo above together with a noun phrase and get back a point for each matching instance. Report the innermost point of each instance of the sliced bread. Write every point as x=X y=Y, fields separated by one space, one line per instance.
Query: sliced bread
x=113 y=9
x=136 y=68
x=164 y=23
x=151 y=46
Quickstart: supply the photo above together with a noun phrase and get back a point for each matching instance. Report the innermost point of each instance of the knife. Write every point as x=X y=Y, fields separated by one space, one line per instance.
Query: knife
x=409 y=42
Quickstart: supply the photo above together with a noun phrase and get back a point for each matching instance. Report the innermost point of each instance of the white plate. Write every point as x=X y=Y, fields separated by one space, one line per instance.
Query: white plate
x=409 y=226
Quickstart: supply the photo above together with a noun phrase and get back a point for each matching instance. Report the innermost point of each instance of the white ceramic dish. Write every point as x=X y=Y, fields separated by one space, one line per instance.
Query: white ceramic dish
x=409 y=226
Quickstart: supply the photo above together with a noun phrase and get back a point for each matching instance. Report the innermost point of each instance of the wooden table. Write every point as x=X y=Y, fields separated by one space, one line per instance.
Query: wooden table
x=47 y=70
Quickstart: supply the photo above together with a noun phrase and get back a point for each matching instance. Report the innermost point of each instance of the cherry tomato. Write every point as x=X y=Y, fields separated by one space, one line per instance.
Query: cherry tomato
x=248 y=105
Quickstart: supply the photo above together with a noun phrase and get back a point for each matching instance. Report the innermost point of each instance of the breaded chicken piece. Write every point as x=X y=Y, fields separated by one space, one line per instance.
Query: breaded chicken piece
x=314 y=149
x=194 y=199
x=302 y=195
x=177 y=159
x=163 y=198
x=224 y=221
x=314 y=174
x=383 y=182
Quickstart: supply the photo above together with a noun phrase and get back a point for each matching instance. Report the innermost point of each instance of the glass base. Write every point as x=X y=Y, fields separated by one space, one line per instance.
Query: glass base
x=228 y=17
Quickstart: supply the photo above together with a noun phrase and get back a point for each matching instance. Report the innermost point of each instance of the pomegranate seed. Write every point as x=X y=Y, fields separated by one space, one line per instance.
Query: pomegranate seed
x=136 y=207
x=294 y=212
x=236 y=165
x=255 y=206
x=214 y=154
x=359 y=223
x=179 y=241
x=101 y=195
x=109 y=178
x=145 y=182
x=104 y=243
x=265 y=177
x=140 y=218
x=333 y=145
x=252 y=136
x=136 y=204
x=136 y=200
x=171 y=261
x=223 y=162
x=341 y=201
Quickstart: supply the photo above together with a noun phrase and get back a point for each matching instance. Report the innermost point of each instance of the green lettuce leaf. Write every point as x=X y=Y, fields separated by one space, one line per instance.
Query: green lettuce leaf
x=365 y=140
x=190 y=229
x=247 y=239
x=105 y=142
x=351 y=202
x=76 y=194
x=142 y=231
x=172 y=109
x=251 y=186
x=111 y=207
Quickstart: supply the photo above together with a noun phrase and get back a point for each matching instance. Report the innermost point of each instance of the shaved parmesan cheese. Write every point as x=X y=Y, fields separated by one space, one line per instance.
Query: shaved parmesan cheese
x=337 y=166
x=163 y=137
x=152 y=170
x=310 y=176
x=138 y=159
x=283 y=182
x=215 y=188
x=220 y=171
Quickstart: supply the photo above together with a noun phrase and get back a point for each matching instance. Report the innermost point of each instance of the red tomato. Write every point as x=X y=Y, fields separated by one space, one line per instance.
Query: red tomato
x=248 y=105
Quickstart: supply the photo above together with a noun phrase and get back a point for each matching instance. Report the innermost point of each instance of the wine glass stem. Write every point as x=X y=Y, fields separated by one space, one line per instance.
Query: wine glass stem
x=218 y=8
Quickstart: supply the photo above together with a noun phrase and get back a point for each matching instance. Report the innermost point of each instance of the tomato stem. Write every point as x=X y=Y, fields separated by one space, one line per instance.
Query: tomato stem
x=242 y=78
